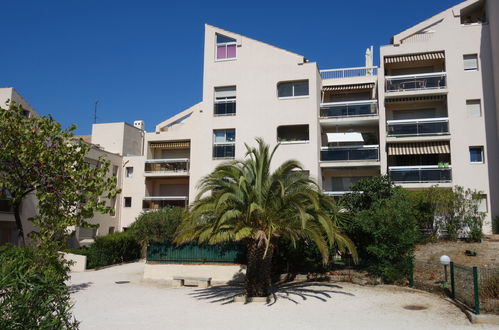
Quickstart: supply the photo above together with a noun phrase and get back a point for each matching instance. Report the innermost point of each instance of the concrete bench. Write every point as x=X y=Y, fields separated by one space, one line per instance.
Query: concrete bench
x=202 y=282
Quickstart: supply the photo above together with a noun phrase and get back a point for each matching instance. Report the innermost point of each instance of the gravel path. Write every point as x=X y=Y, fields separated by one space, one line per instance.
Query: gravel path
x=100 y=303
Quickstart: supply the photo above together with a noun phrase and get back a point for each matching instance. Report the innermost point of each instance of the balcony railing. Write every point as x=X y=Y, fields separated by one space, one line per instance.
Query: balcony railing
x=224 y=150
x=225 y=108
x=420 y=174
x=351 y=153
x=349 y=109
x=415 y=82
x=337 y=193
x=167 y=166
x=429 y=126
x=349 y=72
x=157 y=202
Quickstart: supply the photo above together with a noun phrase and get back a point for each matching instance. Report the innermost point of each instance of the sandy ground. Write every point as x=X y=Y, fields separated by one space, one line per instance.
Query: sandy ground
x=487 y=255
x=101 y=303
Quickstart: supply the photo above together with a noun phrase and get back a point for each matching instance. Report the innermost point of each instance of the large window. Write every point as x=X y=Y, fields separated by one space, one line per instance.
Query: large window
x=225 y=101
x=292 y=133
x=224 y=141
x=476 y=155
x=226 y=48
x=292 y=89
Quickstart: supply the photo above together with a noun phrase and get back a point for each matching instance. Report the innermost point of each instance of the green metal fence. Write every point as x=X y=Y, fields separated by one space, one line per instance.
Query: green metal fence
x=196 y=254
x=488 y=279
x=464 y=285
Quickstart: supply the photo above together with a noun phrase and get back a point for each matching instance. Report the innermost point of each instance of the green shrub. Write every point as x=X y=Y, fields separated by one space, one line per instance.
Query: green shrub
x=33 y=294
x=157 y=226
x=495 y=225
x=303 y=258
x=382 y=224
x=111 y=249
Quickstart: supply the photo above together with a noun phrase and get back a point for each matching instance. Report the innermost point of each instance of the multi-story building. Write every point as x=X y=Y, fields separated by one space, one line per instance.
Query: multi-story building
x=428 y=115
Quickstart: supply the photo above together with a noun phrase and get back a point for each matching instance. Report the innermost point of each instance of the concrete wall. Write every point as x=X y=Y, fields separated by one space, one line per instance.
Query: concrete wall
x=218 y=272
x=78 y=262
x=120 y=138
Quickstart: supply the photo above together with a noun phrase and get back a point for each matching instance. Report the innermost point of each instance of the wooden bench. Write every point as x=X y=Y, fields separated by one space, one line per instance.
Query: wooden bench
x=202 y=282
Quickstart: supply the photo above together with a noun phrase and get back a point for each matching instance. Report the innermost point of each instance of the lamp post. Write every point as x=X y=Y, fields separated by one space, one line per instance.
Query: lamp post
x=445 y=260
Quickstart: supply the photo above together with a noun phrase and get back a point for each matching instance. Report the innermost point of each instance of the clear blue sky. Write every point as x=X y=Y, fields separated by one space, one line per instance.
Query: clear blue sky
x=143 y=59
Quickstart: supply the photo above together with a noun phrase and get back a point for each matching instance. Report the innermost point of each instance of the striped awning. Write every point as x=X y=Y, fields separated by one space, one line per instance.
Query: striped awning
x=429 y=98
x=348 y=87
x=419 y=148
x=415 y=57
x=170 y=145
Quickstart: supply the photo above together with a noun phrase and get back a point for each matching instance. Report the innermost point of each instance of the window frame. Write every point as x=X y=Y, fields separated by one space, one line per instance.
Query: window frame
x=476 y=68
x=293 y=96
x=225 y=44
x=227 y=99
x=125 y=202
x=293 y=141
x=482 y=154
x=471 y=102
x=224 y=143
x=128 y=173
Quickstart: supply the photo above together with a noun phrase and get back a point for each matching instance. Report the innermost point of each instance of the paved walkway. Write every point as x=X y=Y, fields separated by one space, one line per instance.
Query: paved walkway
x=102 y=303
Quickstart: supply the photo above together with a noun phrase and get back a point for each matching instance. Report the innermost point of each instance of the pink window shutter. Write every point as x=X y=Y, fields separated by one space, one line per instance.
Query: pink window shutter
x=221 y=52
x=231 y=51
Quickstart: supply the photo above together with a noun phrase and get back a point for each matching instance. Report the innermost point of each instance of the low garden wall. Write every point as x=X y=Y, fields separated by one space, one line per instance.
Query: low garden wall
x=218 y=272
x=78 y=261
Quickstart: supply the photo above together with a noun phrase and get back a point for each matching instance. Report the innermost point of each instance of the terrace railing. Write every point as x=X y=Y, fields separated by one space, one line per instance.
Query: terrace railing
x=414 y=82
x=349 y=109
x=429 y=126
x=349 y=72
x=420 y=174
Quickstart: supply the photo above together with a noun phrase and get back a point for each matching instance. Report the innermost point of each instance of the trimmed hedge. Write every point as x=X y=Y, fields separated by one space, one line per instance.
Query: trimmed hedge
x=111 y=249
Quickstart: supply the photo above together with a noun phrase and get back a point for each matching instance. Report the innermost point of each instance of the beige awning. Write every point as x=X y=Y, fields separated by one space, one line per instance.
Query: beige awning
x=415 y=57
x=170 y=145
x=347 y=87
x=419 y=148
x=428 y=98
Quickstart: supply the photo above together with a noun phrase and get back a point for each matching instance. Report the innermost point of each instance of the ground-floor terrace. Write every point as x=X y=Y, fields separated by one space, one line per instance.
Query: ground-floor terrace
x=118 y=298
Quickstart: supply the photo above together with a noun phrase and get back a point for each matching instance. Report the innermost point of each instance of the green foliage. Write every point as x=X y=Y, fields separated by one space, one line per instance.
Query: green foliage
x=495 y=225
x=157 y=226
x=111 y=249
x=33 y=294
x=38 y=156
x=453 y=211
x=383 y=226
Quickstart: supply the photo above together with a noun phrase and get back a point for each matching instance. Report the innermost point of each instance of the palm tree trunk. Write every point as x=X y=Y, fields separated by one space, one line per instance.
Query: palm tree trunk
x=258 y=272
x=19 y=225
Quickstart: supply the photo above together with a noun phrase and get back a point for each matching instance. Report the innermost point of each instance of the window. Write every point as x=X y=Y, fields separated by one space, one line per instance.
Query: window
x=470 y=62
x=129 y=172
x=292 y=133
x=225 y=101
x=482 y=204
x=226 y=48
x=5 y=201
x=115 y=170
x=111 y=230
x=224 y=143
x=473 y=108
x=476 y=154
x=292 y=89
x=128 y=201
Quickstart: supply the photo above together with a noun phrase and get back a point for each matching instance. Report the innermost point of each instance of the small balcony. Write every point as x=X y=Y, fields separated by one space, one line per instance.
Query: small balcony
x=224 y=151
x=167 y=167
x=349 y=109
x=416 y=82
x=350 y=153
x=418 y=127
x=158 y=202
x=420 y=174
x=349 y=72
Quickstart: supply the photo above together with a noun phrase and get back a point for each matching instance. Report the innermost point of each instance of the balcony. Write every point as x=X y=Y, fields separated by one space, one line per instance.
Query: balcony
x=418 y=127
x=350 y=153
x=349 y=72
x=416 y=82
x=420 y=174
x=166 y=167
x=157 y=202
x=224 y=150
x=337 y=193
x=349 y=109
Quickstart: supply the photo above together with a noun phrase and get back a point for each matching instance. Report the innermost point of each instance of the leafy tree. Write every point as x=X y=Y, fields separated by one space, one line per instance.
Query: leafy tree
x=33 y=293
x=242 y=200
x=383 y=226
x=157 y=226
x=38 y=157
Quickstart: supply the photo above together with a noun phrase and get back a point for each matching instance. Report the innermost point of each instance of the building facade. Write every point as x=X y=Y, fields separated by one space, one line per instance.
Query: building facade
x=428 y=115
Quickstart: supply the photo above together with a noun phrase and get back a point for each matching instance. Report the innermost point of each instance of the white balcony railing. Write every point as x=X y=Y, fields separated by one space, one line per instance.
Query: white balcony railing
x=415 y=82
x=420 y=174
x=411 y=127
x=349 y=109
x=349 y=72
x=167 y=166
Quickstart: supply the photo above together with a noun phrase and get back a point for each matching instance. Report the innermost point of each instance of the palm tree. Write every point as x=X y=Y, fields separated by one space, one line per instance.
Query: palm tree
x=242 y=200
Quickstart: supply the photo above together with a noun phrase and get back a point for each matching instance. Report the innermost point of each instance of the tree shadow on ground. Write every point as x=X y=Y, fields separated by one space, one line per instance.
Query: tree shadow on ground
x=78 y=287
x=295 y=292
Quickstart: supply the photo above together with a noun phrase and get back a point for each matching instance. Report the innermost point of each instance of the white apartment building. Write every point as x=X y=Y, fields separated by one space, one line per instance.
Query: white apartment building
x=428 y=115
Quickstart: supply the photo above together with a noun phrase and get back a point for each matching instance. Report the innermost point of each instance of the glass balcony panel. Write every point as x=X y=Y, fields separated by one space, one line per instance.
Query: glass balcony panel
x=415 y=127
x=167 y=165
x=420 y=174
x=350 y=154
x=416 y=82
x=348 y=110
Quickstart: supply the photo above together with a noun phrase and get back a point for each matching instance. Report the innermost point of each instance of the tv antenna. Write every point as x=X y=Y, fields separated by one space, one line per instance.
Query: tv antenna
x=95 y=111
